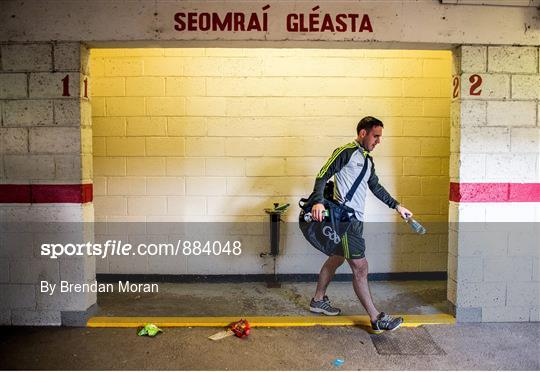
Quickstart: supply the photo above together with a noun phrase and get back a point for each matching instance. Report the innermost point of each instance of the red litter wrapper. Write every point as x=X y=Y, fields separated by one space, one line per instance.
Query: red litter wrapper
x=241 y=328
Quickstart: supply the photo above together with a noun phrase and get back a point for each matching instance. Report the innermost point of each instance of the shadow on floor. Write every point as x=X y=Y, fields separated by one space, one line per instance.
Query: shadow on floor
x=255 y=299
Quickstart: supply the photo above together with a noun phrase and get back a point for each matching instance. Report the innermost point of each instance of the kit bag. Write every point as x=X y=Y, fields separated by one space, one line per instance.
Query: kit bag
x=326 y=236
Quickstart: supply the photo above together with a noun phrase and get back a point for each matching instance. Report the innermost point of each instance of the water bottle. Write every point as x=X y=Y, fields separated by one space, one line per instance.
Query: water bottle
x=416 y=226
x=309 y=218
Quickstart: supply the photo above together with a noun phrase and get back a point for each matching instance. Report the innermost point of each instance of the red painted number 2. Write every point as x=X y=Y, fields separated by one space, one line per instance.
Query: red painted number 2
x=474 y=90
x=455 y=83
x=476 y=81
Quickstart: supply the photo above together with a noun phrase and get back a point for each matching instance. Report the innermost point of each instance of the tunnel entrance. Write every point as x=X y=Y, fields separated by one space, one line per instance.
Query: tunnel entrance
x=212 y=136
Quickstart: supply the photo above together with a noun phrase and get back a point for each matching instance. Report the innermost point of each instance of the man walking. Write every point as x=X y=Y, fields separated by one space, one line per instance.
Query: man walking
x=345 y=165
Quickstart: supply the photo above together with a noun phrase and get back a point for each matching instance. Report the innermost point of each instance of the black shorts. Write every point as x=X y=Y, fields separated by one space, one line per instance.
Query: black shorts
x=352 y=244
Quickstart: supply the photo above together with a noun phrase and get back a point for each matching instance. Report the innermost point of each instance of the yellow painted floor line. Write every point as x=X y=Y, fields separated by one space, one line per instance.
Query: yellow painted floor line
x=261 y=321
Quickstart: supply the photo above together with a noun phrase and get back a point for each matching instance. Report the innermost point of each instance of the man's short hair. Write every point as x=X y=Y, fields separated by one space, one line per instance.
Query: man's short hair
x=368 y=123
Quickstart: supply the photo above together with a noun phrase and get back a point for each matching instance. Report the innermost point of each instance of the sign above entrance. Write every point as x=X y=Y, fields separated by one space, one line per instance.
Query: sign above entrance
x=392 y=23
x=255 y=22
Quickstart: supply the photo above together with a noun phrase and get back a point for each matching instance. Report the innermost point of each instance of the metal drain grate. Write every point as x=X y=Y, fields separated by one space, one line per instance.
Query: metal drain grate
x=406 y=341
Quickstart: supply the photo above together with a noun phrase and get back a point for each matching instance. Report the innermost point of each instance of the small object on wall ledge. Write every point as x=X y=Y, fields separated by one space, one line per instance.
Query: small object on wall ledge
x=277 y=208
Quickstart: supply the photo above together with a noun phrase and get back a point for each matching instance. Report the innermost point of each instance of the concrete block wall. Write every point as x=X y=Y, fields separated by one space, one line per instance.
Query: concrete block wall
x=45 y=147
x=219 y=134
x=495 y=149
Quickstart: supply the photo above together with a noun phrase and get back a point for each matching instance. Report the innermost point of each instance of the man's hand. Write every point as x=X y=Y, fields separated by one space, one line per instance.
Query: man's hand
x=404 y=212
x=317 y=212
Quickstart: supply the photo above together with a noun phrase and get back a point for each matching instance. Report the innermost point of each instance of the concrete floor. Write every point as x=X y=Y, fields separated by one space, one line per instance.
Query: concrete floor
x=485 y=346
x=242 y=299
x=509 y=346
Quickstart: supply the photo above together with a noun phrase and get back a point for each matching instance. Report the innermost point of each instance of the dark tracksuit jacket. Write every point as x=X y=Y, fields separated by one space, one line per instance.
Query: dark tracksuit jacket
x=345 y=165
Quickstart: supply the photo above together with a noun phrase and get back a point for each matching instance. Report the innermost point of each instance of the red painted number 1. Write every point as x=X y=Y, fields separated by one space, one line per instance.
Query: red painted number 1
x=66 y=86
x=85 y=87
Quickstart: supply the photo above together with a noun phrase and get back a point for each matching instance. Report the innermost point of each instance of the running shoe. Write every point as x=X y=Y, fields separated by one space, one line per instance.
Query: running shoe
x=323 y=306
x=385 y=322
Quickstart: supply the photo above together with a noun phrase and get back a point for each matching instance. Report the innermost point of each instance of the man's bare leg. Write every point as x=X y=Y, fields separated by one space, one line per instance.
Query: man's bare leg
x=327 y=273
x=359 y=269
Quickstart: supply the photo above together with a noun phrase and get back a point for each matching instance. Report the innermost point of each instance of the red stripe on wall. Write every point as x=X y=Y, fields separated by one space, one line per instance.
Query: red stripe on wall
x=15 y=194
x=494 y=192
x=81 y=193
x=459 y=192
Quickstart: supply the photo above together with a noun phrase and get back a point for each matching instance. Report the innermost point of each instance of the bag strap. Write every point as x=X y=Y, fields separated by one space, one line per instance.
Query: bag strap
x=360 y=177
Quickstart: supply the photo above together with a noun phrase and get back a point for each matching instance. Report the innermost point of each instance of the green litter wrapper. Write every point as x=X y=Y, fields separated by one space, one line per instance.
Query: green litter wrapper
x=149 y=330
